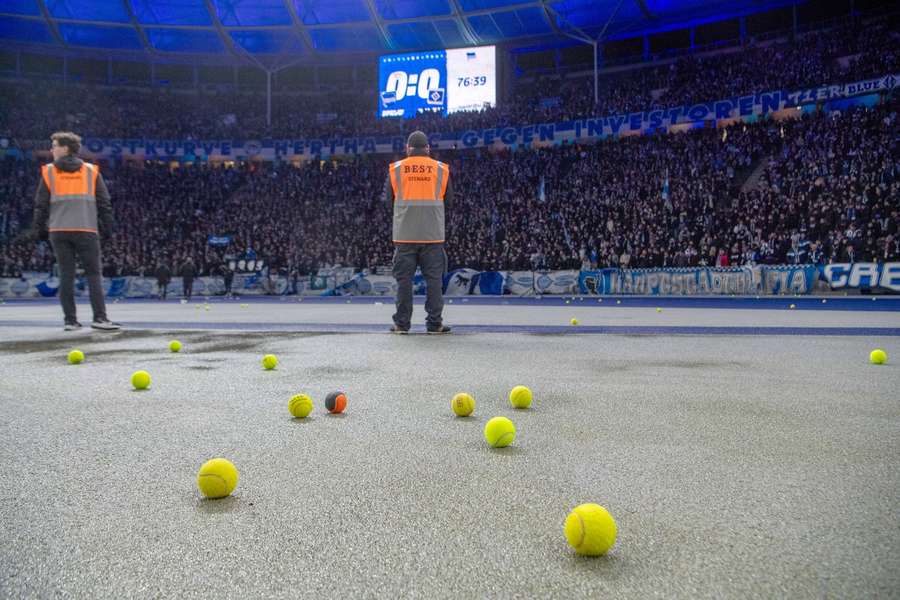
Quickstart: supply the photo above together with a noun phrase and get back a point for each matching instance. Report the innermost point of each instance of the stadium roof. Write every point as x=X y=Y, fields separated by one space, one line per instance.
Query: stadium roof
x=276 y=30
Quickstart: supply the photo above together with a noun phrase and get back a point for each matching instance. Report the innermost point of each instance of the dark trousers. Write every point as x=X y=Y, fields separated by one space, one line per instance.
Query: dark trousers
x=432 y=259
x=67 y=245
x=188 y=285
x=163 y=288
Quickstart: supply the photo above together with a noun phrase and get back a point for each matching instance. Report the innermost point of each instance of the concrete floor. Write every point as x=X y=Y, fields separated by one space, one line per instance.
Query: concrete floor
x=736 y=466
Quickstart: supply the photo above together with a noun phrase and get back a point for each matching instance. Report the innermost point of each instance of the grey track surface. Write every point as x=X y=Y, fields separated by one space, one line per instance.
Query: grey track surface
x=588 y=311
x=736 y=467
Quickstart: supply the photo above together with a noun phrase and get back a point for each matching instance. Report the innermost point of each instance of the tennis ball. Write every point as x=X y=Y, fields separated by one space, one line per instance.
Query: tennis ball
x=244 y=305
x=140 y=380
x=793 y=306
x=878 y=356
x=336 y=402
x=463 y=404
x=175 y=346
x=76 y=357
x=658 y=310
x=520 y=397
x=300 y=405
x=590 y=529
x=499 y=432
x=574 y=321
x=618 y=302
x=269 y=362
x=217 y=478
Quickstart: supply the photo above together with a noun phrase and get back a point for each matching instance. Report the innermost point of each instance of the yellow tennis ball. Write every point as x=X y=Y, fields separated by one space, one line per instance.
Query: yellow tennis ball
x=463 y=404
x=590 y=529
x=300 y=405
x=574 y=321
x=877 y=356
x=658 y=309
x=175 y=346
x=269 y=362
x=217 y=478
x=520 y=397
x=499 y=432
x=140 y=380
x=76 y=357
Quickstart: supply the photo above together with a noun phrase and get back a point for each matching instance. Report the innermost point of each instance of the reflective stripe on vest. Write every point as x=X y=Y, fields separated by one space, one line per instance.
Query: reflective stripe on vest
x=73 y=200
x=419 y=185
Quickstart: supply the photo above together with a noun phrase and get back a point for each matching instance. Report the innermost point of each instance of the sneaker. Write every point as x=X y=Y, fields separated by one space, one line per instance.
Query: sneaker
x=400 y=330
x=439 y=329
x=105 y=325
x=72 y=326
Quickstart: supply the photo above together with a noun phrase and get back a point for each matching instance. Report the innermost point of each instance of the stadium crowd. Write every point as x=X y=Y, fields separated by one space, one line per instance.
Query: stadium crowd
x=826 y=188
x=824 y=57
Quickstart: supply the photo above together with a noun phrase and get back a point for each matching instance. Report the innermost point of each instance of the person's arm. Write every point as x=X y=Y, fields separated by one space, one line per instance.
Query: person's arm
x=388 y=192
x=104 y=208
x=41 y=211
x=449 y=195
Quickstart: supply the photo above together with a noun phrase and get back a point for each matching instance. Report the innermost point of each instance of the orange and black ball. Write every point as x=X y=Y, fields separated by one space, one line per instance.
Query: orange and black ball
x=336 y=402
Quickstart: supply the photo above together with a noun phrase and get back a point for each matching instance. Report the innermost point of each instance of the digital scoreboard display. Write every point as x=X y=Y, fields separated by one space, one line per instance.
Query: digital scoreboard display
x=438 y=81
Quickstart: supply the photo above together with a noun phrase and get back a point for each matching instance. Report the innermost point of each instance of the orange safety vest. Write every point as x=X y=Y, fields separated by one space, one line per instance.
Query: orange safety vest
x=73 y=200
x=419 y=184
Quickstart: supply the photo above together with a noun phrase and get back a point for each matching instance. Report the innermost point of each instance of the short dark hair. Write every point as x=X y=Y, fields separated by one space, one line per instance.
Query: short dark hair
x=417 y=139
x=68 y=140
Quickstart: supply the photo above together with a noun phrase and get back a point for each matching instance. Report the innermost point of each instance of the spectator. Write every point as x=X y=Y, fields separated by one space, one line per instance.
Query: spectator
x=163 y=277
x=188 y=271
x=228 y=278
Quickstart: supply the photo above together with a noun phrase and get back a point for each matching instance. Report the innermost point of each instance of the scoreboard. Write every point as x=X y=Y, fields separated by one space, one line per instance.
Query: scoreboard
x=438 y=81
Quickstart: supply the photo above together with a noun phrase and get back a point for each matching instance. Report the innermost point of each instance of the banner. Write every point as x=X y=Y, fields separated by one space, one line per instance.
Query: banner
x=521 y=283
x=744 y=281
x=582 y=130
x=460 y=282
x=219 y=240
x=365 y=285
x=862 y=275
x=490 y=283
x=526 y=283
